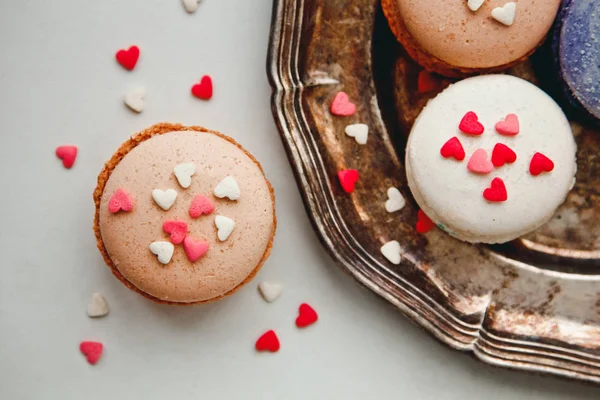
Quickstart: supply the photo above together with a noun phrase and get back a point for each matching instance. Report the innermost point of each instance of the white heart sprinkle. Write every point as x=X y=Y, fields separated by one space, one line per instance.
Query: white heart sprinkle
x=229 y=188
x=395 y=201
x=98 y=306
x=183 y=173
x=360 y=132
x=164 y=251
x=224 y=227
x=391 y=251
x=474 y=5
x=505 y=14
x=190 y=5
x=270 y=291
x=164 y=199
x=134 y=99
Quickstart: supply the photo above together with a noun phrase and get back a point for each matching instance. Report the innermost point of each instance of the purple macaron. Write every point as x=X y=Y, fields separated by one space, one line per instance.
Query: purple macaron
x=576 y=47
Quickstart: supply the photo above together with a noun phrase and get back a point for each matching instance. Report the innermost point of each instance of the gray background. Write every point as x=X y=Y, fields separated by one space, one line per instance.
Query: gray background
x=59 y=84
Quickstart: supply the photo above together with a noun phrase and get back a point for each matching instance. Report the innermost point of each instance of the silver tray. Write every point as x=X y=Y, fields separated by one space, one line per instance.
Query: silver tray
x=532 y=304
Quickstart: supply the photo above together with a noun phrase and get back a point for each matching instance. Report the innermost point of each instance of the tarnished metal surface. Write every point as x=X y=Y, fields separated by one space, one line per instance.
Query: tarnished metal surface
x=532 y=304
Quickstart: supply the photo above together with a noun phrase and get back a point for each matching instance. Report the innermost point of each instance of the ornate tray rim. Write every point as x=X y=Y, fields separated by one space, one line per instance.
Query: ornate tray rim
x=283 y=71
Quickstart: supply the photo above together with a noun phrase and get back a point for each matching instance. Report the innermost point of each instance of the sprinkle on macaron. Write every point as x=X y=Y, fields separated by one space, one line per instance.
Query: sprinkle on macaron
x=120 y=201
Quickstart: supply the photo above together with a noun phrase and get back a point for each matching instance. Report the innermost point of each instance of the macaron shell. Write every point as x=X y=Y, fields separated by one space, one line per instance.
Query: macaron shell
x=576 y=45
x=451 y=195
x=227 y=265
x=449 y=31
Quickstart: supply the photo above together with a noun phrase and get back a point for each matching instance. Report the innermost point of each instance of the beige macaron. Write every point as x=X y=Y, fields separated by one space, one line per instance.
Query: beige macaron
x=456 y=38
x=206 y=185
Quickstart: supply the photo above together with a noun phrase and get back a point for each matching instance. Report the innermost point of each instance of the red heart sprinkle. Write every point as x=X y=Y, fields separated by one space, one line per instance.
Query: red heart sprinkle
x=424 y=223
x=427 y=82
x=348 y=178
x=92 y=351
x=128 y=58
x=342 y=106
x=508 y=127
x=268 y=342
x=204 y=89
x=496 y=192
x=194 y=248
x=201 y=205
x=120 y=200
x=306 y=316
x=503 y=154
x=470 y=124
x=479 y=163
x=67 y=154
x=453 y=148
x=177 y=230
x=540 y=163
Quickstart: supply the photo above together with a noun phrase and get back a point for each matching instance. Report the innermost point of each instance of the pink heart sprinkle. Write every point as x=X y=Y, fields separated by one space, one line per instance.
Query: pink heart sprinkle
x=177 y=230
x=508 y=127
x=120 y=200
x=194 y=248
x=342 y=106
x=479 y=162
x=67 y=154
x=92 y=351
x=201 y=205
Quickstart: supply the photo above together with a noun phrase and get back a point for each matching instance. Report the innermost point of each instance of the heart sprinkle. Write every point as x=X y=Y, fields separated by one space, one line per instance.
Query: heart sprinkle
x=163 y=251
x=470 y=124
x=128 y=58
x=164 y=199
x=479 y=163
x=496 y=193
x=360 y=132
x=67 y=154
x=201 y=205
x=306 y=316
x=342 y=106
x=505 y=14
x=177 y=229
x=348 y=178
x=229 y=188
x=424 y=223
x=508 y=127
x=503 y=154
x=194 y=248
x=183 y=173
x=98 y=306
x=474 y=5
x=540 y=163
x=453 y=148
x=204 y=89
x=120 y=200
x=190 y=5
x=395 y=201
x=391 y=251
x=268 y=342
x=224 y=227
x=134 y=99
x=270 y=291
x=92 y=351
x=427 y=82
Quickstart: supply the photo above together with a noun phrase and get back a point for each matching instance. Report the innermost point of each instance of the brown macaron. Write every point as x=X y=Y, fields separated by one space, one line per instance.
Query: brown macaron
x=456 y=38
x=184 y=215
